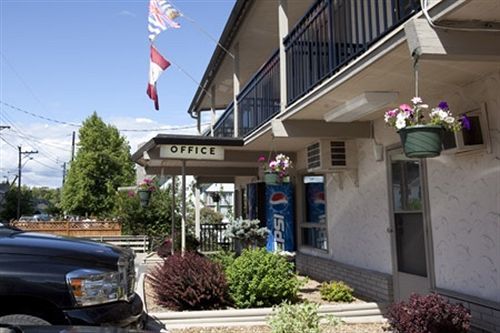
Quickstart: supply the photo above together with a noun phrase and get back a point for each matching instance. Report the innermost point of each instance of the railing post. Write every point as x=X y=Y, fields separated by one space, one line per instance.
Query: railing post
x=212 y=107
x=236 y=88
x=283 y=32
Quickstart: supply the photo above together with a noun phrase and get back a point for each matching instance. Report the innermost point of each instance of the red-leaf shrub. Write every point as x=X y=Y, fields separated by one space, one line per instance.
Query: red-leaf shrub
x=428 y=314
x=189 y=282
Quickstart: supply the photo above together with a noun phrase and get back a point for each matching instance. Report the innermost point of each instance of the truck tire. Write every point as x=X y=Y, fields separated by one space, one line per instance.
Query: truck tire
x=22 y=319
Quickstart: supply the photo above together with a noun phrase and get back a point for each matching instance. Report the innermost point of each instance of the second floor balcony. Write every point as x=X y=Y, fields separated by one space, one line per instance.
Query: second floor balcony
x=330 y=35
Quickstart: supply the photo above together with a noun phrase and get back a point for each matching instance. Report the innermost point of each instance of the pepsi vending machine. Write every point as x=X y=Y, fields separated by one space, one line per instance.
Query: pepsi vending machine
x=279 y=208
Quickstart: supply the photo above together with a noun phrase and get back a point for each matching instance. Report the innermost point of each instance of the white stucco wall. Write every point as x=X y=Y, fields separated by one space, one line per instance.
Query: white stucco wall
x=464 y=192
x=358 y=217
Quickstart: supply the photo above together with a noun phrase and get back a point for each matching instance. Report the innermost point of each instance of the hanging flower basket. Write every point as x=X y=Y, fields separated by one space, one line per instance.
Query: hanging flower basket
x=422 y=141
x=276 y=171
x=421 y=135
x=144 y=196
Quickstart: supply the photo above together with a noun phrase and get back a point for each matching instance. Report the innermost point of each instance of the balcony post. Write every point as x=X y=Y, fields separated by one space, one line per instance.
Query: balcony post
x=212 y=107
x=282 y=33
x=236 y=87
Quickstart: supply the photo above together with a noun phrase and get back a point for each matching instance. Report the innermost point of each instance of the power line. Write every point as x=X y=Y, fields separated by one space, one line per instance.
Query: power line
x=45 y=165
x=173 y=128
x=7 y=142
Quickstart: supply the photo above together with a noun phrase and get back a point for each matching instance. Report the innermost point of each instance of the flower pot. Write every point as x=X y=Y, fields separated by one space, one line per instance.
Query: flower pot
x=421 y=141
x=271 y=178
x=144 y=196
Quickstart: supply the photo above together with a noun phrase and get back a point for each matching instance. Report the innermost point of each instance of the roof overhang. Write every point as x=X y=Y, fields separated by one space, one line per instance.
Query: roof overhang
x=236 y=162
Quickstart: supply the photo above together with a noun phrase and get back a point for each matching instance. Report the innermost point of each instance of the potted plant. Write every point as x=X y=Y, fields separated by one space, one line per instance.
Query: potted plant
x=144 y=190
x=421 y=136
x=276 y=171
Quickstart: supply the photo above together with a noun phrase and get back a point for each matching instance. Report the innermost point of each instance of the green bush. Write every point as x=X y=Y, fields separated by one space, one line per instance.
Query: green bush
x=223 y=258
x=295 y=318
x=258 y=279
x=336 y=291
x=298 y=318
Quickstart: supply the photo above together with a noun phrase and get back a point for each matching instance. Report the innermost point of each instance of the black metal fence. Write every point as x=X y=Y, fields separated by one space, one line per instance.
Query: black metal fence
x=224 y=127
x=333 y=33
x=212 y=238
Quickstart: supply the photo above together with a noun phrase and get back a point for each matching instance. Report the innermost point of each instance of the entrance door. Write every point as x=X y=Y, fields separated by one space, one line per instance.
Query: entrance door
x=411 y=273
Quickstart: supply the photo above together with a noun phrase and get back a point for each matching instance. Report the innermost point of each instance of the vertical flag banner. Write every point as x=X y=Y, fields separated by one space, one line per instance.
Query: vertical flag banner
x=157 y=65
x=162 y=16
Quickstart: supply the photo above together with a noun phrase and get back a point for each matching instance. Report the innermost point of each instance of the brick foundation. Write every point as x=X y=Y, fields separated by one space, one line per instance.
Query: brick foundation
x=369 y=284
x=485 y=319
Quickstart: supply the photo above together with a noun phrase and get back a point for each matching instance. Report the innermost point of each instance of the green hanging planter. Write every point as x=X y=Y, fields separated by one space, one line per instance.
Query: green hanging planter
x=271 y=178
x=422 y=141
x=144 y=196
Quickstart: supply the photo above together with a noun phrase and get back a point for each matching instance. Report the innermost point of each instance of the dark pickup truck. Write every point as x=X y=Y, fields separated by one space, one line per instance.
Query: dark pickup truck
x=46 y=279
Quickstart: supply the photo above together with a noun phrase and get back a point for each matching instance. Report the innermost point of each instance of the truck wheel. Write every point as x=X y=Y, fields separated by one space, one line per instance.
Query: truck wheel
x=22 y=319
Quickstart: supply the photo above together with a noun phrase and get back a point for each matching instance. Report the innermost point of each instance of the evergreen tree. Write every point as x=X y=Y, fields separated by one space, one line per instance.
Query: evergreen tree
x=101 y=165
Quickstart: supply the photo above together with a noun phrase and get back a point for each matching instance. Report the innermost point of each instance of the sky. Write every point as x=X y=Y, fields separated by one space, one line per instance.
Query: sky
x=61 y=60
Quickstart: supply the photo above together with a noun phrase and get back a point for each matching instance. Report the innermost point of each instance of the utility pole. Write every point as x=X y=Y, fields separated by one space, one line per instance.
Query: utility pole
x=21 y=153
x=73 y=147
x=64 y=172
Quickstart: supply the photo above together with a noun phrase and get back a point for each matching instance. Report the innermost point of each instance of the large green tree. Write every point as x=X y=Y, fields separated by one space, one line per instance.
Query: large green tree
x=101 y=165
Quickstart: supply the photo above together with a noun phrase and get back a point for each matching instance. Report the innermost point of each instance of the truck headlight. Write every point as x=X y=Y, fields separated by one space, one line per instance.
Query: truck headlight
x=91 y=287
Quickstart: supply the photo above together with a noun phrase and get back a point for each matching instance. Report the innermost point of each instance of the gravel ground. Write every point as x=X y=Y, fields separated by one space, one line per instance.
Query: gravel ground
x=345 y=328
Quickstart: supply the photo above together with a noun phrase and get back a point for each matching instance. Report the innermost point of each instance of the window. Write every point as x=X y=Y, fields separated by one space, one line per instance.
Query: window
x=314 y=230
x=477 y=137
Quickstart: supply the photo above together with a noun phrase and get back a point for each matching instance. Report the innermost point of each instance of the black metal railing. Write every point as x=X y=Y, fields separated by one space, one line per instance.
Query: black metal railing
x=260 y=99
x=333 y=33
x=224 y=127
x=212 y=238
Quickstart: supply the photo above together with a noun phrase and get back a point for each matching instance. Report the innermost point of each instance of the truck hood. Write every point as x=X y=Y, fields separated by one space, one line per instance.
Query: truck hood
x=38 y=244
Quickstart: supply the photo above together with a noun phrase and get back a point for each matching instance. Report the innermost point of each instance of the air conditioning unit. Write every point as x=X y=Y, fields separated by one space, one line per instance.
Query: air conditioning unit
x=326 y=156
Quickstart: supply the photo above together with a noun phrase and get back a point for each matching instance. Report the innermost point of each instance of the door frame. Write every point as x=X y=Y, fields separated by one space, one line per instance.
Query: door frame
x=427 y=225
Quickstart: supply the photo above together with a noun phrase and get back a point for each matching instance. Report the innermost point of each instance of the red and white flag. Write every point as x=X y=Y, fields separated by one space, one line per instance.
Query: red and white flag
x=157 y=65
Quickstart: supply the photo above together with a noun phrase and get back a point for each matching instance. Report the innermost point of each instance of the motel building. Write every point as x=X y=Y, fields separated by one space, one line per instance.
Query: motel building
x=312 y=79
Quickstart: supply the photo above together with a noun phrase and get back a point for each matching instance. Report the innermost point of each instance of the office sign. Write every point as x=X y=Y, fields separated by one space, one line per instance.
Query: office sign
x=191 y=152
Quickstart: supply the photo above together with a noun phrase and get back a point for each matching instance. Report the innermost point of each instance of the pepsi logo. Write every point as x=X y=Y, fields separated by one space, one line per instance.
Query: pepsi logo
x=319 y=198
x=279 y=198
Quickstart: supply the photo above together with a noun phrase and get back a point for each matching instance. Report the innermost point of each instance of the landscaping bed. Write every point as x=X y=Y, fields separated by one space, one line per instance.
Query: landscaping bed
x=309 y=292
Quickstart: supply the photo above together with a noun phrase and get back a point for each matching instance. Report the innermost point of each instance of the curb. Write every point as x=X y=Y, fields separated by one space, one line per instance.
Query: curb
x=349 y=313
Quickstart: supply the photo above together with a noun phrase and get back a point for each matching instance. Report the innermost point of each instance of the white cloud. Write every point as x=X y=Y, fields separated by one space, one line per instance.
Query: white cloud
x=143 y=121
x=126 y=13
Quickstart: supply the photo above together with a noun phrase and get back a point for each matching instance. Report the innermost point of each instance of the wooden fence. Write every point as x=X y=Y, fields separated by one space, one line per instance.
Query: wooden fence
x=72 y=228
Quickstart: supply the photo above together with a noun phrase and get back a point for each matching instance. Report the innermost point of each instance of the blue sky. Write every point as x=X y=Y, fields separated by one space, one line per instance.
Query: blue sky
x=66 y=59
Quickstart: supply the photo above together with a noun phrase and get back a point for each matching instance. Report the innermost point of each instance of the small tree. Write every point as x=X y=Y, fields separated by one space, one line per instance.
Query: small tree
x=246 y=233
x=9 y=211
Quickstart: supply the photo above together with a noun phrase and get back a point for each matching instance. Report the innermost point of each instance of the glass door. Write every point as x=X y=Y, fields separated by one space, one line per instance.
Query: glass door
x=409 y=225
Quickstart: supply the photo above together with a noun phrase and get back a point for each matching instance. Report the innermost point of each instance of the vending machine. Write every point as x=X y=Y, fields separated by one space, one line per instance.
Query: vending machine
x=274 y=206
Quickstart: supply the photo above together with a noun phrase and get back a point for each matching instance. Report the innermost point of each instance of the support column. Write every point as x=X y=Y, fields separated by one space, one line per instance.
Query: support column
x=236 y=87
x=212 y=107
x=197 y=215
x=173 y=214
x=283 y=32
x=183 y=222
x=198 y=122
